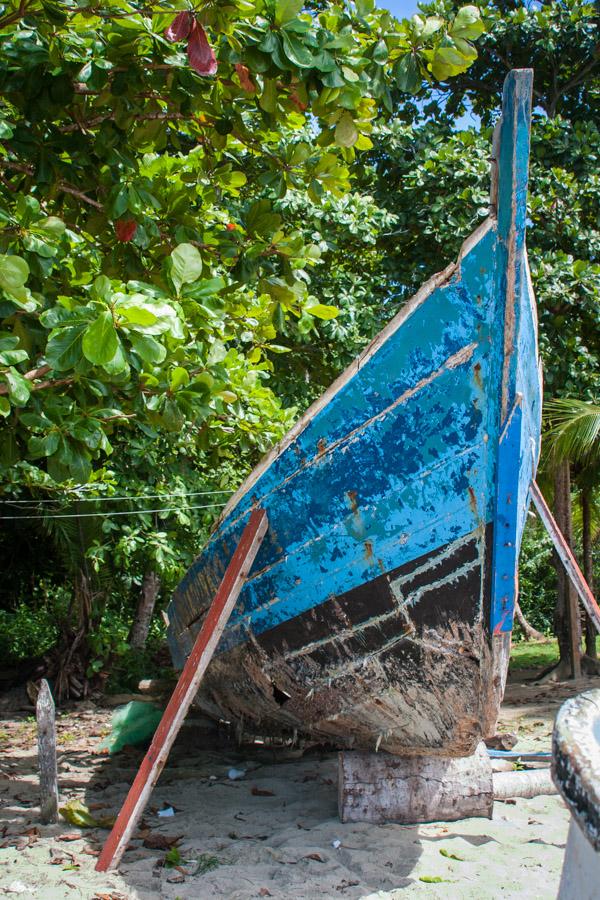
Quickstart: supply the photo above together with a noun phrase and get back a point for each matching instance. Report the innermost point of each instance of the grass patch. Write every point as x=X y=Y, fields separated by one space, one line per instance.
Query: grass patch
x=530 y=655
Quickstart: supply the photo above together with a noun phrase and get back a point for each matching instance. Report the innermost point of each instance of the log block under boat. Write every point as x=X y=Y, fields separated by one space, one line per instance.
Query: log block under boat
x=380 y=787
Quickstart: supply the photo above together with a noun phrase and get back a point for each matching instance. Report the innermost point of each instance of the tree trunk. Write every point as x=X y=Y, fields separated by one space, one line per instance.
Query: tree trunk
x=145 y=609
x=530 y=633
x=532 y=783
x=566 y=613
x=588 y=569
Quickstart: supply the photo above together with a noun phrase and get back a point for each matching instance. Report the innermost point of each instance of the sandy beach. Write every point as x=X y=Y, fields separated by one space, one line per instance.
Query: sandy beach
x=273 y=832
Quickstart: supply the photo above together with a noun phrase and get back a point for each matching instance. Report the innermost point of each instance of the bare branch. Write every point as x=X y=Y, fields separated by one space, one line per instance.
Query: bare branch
x=40 y=385
x=61 y=185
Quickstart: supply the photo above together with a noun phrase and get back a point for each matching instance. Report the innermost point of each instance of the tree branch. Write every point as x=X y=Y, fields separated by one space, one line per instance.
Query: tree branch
x=91 y=123
x=13 y=18
x=37 y=373
x=61 y=185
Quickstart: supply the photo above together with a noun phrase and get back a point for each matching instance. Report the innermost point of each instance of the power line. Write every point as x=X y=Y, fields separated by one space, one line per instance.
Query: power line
x=121 y=512
x=112 y=499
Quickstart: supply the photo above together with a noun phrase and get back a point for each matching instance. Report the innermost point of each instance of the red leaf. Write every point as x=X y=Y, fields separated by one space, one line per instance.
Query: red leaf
x=259 y=792
x=180 y=27
x=200 y=54
x=244 y=76
x=298 y=103
x=125 y=229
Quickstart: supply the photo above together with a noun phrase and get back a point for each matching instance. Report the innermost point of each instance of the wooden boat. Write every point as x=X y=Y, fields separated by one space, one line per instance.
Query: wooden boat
x=576 y=773
x=379 y=609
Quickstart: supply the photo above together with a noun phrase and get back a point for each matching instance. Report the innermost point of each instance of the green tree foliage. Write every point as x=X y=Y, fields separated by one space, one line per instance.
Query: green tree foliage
x=156 y=161
x=145 y=278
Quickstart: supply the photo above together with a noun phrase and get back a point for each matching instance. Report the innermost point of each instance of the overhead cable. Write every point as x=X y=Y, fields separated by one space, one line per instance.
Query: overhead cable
x=121 y=512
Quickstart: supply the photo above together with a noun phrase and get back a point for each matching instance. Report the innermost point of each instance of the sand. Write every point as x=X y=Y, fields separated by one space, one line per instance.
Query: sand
x=273 y=832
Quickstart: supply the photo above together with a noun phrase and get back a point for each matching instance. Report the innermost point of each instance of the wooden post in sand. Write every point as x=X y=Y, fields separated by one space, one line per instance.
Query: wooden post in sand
x=46 y=726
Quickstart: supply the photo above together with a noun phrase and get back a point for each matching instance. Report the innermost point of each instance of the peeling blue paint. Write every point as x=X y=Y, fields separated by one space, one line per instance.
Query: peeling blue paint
x=405 y=456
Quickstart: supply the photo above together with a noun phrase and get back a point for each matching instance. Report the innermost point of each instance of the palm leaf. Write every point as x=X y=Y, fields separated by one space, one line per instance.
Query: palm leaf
x=574 y=432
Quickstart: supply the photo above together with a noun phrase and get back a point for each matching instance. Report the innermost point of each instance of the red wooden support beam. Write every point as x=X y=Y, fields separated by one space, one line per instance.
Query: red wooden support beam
x=566 y=555
x=187 y=687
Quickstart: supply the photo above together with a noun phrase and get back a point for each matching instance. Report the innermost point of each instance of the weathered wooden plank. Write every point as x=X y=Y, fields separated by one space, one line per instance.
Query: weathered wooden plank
x=378 y=787
x=566 y=556
x=46 y=728
x=187 y=687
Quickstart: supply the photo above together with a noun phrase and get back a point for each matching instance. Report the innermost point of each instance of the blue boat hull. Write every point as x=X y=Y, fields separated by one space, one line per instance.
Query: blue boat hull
x=379 y=608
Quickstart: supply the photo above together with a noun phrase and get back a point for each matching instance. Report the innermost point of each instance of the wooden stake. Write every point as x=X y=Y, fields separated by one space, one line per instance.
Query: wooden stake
x=46 y=726
x=185 y=691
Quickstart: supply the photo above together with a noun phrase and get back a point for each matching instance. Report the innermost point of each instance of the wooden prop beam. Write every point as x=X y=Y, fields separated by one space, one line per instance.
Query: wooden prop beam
x=566 y=556
x=185 y=691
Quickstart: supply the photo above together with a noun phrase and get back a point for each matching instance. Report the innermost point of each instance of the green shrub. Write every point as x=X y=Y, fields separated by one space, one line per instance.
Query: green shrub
x=33 y=625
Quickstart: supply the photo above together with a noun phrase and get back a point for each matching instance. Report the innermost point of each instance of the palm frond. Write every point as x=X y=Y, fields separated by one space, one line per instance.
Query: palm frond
x=594 y=502
x=573 y=432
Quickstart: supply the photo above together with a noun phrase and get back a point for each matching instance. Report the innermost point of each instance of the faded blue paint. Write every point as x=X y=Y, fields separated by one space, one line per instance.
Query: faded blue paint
x=520 y=410
x=506 y=531
x=402 y=458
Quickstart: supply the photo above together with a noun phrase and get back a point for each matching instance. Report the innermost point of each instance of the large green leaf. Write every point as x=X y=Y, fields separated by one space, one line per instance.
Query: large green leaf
x=346 y=132
x=19 y=388
x=51 y=226
x=296 y=51
x=150 y=350
x=467 y=24
x=268 y=98
x=12 y=357
x=286 y=10
x=100 y=341
x=408 y=74
x=186 y=264
x=449 y=61
x=14 y=272
x=322 y=311
x=63 y=350
x=178 y=377
x=44 y=445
